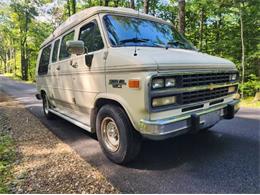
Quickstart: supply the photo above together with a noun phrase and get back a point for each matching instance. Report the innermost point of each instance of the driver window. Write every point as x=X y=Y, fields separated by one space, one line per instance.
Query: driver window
x=91 y=36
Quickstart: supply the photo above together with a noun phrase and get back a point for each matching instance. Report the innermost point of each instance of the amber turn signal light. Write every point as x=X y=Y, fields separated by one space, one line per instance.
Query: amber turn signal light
x=134 y=83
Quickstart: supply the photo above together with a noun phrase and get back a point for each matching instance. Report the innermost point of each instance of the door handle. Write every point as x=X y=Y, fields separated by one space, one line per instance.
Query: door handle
x=58 y=68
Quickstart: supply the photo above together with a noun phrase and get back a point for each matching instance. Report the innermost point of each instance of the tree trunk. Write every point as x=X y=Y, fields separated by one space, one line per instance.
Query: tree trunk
x=146 y=6
x=106 y=2
x=73 y=6
x=181 y=15
x=132 y=4
x=14 y=62
x=201 y=28
x=116 y=2
x=24 y=69
x=218 y=33
x=24 y=48
x=68 y=8
x=243 y=47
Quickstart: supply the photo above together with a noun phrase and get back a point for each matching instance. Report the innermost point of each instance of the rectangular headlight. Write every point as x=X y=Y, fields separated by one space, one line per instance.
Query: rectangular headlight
x=170 y=82
x=158 y=83
x=162 y=101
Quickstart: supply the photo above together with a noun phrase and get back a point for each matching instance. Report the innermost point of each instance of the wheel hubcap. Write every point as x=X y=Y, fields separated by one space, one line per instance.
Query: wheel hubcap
x=110 y=134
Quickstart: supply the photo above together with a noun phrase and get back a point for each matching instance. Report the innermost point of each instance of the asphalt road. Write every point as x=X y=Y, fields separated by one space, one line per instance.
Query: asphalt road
x=223 y=160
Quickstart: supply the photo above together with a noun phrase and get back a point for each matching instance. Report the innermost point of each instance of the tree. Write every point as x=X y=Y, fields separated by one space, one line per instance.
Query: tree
x=202 y=18
x=68 y=8
x=242 y=44
x=181 y=15
x=73 y=6
x=25 y=12
x=132 y=4
x=106 y=2
x=146 y=6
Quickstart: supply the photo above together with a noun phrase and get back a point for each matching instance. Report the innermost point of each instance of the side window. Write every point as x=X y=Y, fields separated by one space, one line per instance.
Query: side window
x=63 y=50
x=44 y=60
x=91 y=36
x=55 y=51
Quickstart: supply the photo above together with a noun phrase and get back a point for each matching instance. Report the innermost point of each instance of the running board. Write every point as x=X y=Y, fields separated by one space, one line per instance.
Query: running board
x=71 y=120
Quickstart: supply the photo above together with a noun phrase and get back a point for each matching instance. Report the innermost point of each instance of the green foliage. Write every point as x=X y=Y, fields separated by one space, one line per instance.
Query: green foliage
x=7 y=156
x=250 y=87
x=213 y=26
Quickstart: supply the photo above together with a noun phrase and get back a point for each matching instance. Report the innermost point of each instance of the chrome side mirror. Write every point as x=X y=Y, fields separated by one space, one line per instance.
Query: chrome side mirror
x=75 y=47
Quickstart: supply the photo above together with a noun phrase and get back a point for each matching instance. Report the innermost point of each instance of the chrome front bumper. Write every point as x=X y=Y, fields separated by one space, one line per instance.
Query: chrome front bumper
x=190 y=122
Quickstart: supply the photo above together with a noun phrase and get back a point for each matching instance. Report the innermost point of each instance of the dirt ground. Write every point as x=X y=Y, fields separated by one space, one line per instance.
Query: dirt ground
x=44 y=164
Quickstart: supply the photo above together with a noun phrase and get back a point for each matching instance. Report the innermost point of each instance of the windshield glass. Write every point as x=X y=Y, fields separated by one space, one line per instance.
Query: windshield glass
x=130 y=31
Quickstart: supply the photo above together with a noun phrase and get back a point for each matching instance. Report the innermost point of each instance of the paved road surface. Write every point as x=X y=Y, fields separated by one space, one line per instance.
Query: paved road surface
x=224 y=160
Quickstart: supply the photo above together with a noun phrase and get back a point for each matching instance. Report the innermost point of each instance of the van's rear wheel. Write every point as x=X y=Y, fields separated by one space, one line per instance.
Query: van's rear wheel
x=46 y=107
x=116 y=135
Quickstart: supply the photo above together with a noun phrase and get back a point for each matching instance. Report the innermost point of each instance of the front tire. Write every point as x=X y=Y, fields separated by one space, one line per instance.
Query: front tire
x=46 y=107
x=118 y=139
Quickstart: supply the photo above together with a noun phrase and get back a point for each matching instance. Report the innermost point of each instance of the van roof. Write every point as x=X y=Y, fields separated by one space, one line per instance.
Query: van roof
x=87 y=13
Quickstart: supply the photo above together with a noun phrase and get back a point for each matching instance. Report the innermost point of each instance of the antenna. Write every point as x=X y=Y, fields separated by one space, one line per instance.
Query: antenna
x=135 y=53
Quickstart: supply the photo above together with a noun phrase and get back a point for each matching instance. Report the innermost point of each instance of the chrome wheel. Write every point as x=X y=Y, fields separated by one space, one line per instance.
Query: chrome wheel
x=110 y=134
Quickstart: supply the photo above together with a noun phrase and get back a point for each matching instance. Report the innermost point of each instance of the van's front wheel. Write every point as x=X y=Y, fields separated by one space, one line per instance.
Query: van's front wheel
x=116 y=135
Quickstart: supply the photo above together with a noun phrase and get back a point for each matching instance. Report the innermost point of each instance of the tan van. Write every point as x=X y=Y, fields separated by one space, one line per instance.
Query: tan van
x=127 y=76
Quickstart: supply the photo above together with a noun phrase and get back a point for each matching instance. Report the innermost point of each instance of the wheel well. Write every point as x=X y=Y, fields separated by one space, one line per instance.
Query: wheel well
x=43 y=92
x=98 y=104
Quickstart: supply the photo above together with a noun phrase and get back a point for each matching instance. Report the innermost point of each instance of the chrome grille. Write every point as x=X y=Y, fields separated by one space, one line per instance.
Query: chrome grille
x=204 y=79
x=203 y=95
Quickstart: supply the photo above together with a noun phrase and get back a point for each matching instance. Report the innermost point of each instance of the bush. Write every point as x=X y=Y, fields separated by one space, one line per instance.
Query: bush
x=250 y=87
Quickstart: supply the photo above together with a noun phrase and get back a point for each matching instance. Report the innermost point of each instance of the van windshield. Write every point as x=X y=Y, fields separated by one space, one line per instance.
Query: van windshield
x=130 y=31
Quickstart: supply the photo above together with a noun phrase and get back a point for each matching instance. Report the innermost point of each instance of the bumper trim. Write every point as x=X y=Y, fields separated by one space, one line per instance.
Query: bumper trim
x=193 y=121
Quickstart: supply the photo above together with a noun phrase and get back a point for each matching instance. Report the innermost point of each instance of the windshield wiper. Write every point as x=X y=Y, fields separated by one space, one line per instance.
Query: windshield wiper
x=175 y=43
x=140 y=40
x=133 y=40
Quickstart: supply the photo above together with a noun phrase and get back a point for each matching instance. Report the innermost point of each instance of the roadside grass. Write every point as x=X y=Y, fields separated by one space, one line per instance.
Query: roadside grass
x=16 y=77
x=7 y=158
x=249 y=102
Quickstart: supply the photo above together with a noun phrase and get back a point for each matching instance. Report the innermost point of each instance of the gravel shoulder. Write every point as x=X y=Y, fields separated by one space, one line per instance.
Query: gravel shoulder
x=44 y=164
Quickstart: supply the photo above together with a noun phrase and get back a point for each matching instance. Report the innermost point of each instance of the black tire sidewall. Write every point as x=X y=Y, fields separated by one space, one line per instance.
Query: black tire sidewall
x=48 y=115
x=125 y=132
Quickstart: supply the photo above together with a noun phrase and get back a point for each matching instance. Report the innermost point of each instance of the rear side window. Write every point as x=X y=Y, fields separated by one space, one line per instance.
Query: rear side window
x=91 y=36
x=55 y=51
x=63 y=50
x=44 y=60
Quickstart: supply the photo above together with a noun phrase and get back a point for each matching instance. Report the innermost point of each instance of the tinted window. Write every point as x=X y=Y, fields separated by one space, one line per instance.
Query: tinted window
x=44 y=60
x=63 y=49
x=130 y=31
x=55 y=51
x=91 y=36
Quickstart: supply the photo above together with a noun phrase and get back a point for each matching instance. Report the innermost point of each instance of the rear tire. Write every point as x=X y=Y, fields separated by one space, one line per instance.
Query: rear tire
x=46 y=107
x=118 y=139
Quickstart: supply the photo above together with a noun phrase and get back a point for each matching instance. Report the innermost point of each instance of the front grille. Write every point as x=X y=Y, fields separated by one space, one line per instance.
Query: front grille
x=204 y=79
x=203 y=95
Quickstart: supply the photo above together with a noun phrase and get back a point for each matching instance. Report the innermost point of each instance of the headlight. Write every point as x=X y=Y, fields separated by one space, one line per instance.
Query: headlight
x=170 y=82
x=157 y=83
x=233 y=77
x=162 y=101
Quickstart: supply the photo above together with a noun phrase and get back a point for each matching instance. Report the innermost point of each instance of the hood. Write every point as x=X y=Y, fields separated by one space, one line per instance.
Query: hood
x=161 y=59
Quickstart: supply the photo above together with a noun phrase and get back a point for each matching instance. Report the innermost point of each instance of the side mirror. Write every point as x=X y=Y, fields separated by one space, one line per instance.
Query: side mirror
x=75 y=47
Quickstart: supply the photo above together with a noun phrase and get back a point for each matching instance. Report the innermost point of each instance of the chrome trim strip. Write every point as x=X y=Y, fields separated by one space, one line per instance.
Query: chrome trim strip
x=190 y=89
x=73 y=121
x=185 y=116
x=155 y=127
